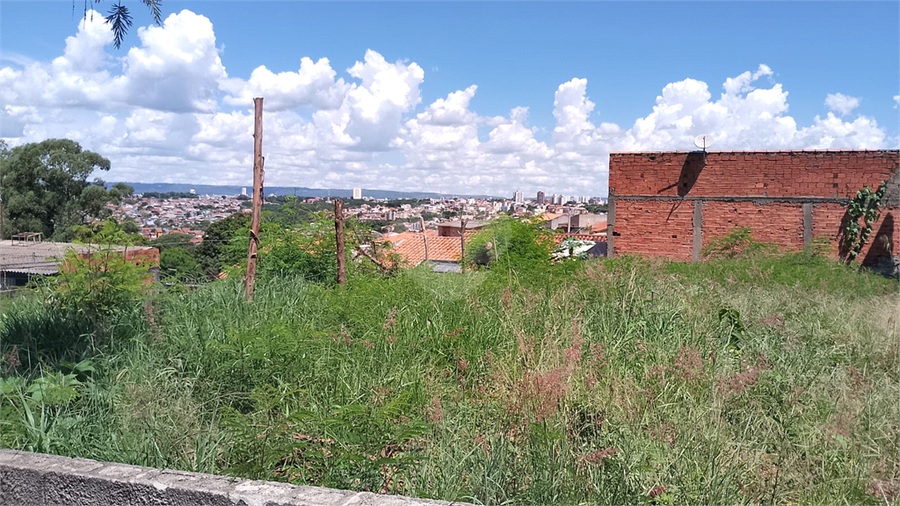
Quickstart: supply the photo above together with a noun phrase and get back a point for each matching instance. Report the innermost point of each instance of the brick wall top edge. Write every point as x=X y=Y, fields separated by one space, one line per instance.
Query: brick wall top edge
x=767 y=152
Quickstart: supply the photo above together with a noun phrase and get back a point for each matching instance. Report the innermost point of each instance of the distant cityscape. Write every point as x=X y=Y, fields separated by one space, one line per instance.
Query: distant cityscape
x=163 y=209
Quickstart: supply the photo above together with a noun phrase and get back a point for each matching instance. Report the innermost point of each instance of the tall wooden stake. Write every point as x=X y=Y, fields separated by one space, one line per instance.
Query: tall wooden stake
x=253 y=249
x=339 y=239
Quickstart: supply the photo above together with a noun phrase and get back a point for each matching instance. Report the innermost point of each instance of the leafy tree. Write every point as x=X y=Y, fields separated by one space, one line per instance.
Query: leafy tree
x=308 y=250
x=596 y=208
x=102 y=231
x=214 y=251
x=510 y=242
x=100 y=284
x=173 y=240
x=46 y=188
x=179 y=264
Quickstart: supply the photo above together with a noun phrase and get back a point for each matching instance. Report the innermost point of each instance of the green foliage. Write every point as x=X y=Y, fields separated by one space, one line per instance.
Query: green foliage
x=119 y=18
x=173 y=240
x=308 y=250
x=221 y=243
x=97 y=285
x=179 y=264
x=866 y=205
x=596 y=208
x=289 y=211
x=736 y=243
x=29 y=410
x=35 y=334
x=108 y=230
x=620 y=381
x=46 y=188
x=511 y=243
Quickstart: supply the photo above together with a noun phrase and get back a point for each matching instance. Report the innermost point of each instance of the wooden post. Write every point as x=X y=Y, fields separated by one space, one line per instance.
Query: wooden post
x=253 y=249
x=424 y=236
x=339 y=240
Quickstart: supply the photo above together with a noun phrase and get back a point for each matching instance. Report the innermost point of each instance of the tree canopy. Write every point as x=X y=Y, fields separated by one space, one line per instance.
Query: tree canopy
x=45 y=188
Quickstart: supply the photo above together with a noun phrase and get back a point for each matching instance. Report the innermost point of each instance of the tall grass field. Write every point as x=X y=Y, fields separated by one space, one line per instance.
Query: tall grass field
x=770 y=379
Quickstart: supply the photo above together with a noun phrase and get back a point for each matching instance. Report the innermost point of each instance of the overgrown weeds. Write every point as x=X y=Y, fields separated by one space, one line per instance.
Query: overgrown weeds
x=750 y=380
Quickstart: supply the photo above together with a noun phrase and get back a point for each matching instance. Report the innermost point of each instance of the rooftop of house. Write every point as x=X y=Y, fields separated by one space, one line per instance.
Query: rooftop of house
x=411 y=247
x=42 y=257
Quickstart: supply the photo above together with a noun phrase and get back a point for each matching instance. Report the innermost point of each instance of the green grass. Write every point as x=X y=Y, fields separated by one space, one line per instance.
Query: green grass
x=752 y=380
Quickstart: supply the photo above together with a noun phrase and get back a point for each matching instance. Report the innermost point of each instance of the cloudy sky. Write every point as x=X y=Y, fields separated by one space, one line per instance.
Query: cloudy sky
x=454 y=97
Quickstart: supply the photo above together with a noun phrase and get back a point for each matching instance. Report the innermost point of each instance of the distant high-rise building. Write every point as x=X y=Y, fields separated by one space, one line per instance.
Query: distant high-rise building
x=540 y=197
x=519 y=197
x=357 y=193
x=244 y=191
x=193 y=192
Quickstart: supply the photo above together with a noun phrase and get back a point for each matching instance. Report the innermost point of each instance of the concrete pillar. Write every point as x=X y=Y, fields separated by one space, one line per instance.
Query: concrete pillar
x=697 y=221
x=807 y=224
x=610 y=224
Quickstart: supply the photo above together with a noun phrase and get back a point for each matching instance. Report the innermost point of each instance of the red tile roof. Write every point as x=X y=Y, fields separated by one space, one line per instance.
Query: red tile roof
x=411 y=247
x=598 y=227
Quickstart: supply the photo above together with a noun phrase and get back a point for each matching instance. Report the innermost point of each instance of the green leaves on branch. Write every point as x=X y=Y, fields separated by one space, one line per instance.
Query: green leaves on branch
x=100 y=284
x=46 y=188
x=119 y=19
x=737 y=242
x=512 y=242
x=866 y=205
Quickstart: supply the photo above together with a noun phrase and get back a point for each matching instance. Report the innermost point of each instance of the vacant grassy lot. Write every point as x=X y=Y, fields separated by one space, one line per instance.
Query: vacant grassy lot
x=756 y=380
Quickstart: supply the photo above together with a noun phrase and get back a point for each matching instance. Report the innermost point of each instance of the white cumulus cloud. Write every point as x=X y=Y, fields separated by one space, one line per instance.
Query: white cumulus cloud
x=840 y=103
x=167 y=111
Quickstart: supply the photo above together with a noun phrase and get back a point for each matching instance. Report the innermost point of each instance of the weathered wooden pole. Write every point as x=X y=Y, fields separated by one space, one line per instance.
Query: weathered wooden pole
x=339 y=240
x=253 y=249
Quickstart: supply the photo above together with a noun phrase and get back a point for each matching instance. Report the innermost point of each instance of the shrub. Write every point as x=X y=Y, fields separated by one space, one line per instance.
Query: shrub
x=511 y=242
x=737 y=242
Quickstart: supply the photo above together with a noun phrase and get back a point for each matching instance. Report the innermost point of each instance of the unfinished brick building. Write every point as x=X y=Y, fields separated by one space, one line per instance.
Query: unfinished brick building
x=670 y=204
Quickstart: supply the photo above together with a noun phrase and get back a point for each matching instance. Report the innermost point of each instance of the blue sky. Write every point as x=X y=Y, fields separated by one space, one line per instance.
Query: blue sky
x=815 y=75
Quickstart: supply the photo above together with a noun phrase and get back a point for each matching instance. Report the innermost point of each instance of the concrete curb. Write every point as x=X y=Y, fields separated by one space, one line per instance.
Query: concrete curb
x=34 y=479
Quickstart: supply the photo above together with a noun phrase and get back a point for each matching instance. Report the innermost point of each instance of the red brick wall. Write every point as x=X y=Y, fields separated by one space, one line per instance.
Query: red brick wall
x=655 y=228
x=645 y=225
x=777 y=223
x=750 y=174
x=827 y=223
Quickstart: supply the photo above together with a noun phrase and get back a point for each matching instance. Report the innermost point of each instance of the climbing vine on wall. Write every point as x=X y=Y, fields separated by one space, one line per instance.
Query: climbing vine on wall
x=866 y=205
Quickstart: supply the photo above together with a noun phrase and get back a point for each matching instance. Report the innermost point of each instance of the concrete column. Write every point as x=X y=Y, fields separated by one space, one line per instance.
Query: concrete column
x=610 y=224
x=807 y=224
x=697 y=221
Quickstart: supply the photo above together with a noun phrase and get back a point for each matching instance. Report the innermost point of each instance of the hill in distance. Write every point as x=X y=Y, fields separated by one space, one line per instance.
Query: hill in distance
x=204 y=189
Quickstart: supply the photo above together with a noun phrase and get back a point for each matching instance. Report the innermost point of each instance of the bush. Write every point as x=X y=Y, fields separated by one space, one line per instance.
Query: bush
x=100 y=284
x=512 y=243
x=736 y=243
